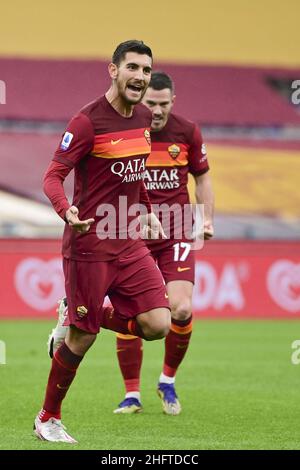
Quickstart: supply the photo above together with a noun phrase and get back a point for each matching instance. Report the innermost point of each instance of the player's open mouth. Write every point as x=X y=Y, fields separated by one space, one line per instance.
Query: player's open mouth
x=135 y=88
x=157 y=120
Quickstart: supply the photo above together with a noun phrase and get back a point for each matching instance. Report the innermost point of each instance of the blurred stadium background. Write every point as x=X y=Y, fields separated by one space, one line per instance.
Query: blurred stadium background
x=233 y=64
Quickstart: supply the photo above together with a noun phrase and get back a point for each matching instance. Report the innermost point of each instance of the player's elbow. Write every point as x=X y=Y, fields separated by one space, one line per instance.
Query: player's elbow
x=46 y=184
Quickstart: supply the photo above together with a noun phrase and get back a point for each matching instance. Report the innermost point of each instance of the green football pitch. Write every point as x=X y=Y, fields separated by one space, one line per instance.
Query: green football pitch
x=237 y=386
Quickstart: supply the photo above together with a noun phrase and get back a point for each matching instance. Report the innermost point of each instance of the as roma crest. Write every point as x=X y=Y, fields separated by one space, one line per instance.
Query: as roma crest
x=147 y=136
x=174 y=151
x=82 y=311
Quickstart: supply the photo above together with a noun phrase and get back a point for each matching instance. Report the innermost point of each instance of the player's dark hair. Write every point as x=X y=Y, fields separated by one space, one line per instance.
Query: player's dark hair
x=130 y=46
x=160 y=81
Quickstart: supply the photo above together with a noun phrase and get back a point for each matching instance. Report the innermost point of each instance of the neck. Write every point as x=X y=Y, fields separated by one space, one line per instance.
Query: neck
x=118 y=103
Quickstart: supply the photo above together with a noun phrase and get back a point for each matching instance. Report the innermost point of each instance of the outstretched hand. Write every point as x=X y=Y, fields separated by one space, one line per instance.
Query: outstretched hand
x=151 y=227
x=81 y=226
x=208 y=230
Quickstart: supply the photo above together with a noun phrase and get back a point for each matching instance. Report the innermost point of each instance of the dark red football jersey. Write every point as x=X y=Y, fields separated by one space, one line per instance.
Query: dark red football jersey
x=176 y=151
x=108 y=153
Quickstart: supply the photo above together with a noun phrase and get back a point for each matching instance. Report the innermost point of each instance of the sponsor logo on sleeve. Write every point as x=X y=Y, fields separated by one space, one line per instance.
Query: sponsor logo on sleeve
x=66 y=140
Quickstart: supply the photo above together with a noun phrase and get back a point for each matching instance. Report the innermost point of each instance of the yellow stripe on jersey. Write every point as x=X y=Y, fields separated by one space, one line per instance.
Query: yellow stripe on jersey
x=163 y=158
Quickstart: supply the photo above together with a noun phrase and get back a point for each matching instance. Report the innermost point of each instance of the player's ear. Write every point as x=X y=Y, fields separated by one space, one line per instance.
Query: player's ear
x=113 y=71
x=173 y=99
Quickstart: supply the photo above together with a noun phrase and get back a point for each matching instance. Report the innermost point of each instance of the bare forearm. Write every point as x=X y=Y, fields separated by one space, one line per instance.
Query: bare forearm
x=205 y=195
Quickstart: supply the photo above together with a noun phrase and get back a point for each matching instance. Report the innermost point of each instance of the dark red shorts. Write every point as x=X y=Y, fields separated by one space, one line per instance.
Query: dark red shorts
x=176 y=261
x=133 y=283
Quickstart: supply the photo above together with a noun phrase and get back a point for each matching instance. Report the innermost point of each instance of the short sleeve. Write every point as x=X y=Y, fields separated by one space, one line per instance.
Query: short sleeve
x=76 y=142
x=198 y=162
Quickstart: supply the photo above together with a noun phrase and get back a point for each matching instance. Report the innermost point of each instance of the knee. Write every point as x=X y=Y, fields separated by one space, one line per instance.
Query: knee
x=157 y=332
x=162 y=329
x=181 y=310
x=158 y=327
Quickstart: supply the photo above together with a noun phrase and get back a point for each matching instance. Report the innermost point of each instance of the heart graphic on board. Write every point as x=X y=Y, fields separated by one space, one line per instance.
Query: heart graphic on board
x=40 y=283
x=283 y=281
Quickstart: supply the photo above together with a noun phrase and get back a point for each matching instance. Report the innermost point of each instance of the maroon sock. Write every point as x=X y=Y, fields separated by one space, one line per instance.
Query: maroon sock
x=176 y=344
x=112 y=321
x=130 y=356
x=62 y=373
